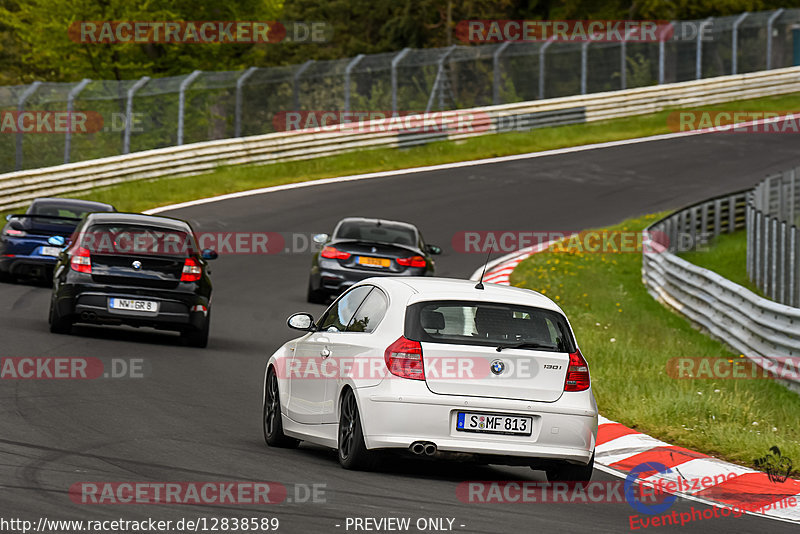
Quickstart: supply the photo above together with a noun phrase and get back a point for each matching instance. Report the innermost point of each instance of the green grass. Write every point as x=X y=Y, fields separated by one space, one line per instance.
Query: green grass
x=140 y=195
x=628 y=337
x=726 y=255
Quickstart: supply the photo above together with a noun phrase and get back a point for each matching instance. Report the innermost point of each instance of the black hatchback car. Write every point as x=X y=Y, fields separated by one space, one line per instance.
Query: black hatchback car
x=136 y=270
x=360 y=248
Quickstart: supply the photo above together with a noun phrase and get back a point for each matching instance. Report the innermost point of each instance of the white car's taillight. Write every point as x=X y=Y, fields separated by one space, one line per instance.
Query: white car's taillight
x=404 y=359
x=577 y=373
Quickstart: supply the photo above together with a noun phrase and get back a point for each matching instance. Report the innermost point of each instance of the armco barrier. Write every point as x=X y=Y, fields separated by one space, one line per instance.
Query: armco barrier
x=18 y=188
x=756 y=327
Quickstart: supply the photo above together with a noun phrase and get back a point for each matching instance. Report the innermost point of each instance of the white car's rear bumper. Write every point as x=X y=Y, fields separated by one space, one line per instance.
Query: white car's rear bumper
x=397 y=413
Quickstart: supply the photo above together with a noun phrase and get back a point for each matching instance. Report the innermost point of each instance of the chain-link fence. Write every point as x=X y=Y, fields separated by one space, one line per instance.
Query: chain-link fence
x=201 y=106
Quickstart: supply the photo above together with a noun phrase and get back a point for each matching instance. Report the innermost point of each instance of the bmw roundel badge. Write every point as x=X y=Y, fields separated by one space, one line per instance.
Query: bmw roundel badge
x=498 y=367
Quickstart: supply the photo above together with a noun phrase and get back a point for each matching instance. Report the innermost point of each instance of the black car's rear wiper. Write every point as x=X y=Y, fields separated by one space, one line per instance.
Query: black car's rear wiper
x=526 y=345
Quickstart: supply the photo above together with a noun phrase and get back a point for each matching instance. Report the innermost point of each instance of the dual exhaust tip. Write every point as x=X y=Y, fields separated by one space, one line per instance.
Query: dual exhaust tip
x=423 y=447
x=89 y=316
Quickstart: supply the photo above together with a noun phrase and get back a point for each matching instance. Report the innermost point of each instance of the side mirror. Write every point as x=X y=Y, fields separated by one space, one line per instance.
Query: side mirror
x=209 y=254
x=320 y=239
x=8 y=217
x=433 y=249
x=301 y=321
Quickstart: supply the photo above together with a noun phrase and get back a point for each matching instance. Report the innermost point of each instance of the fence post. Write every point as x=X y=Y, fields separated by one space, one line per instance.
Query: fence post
x=699 y=57
x=347 y=71
x=584 y=64
x=296 y=83
x=782 y=266
x=770 y=21
x=774 y=258
x=395 y=61
x=735 y=42
x=542 y=50
x=496 y=72
x=717 y=217
x=182 y=102
x=237 y=119
x=438 y=82
x=748 y=217
x=20 y=108
x=661 y=59
x=73 y=93
x=757 y=243
x=126 y=138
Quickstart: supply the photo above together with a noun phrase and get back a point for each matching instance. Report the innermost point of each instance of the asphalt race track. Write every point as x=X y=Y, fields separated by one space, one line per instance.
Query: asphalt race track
x=196 y=414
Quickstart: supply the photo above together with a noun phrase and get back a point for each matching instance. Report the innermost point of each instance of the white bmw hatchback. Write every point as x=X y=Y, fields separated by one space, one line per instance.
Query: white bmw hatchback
x=436 y=367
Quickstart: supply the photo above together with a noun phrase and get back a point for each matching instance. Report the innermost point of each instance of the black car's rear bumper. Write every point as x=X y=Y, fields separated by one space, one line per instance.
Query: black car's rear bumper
x=38 y=266
x=334 y=279
x=89 y=303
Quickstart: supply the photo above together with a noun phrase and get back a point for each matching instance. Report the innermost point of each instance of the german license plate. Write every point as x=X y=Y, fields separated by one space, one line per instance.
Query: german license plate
x=146 y=306
x=494 y=424
x=50 y=251
x=374 y=262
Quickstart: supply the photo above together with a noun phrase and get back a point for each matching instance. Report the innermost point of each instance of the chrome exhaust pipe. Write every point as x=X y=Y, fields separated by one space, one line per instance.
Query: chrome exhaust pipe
x=85 y=316
x=417 y=448
x=430 y=449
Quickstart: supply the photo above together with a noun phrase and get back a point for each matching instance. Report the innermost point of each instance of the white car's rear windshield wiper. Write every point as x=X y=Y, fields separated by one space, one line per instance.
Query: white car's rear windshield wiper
x=527 y=345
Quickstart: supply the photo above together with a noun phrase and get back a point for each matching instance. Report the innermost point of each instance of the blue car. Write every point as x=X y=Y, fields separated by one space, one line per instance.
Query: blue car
x=31 y=242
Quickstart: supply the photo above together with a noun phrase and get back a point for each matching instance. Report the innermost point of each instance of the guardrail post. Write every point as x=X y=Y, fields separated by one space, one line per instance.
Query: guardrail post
x=717 y=217
x=542 y=50
x=699 y=57
x=296 y=83
x=770 y=21
x=126 y=138
x=20 y=108
x=347 y=71
x=396 y=61
x=237 y=118
x=182 y=102
x=731 y=215
x=73 y=93
x=496 y=72
x=735 y=42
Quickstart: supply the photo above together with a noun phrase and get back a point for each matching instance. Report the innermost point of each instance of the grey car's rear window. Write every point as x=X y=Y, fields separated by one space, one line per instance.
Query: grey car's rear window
x=374 y=233
x=488 y=323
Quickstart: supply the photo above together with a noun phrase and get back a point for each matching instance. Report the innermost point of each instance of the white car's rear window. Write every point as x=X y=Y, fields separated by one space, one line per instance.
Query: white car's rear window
x=488 y=323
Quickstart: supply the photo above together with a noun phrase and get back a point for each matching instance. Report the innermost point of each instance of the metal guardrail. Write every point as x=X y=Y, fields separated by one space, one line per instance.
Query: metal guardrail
x=18 y=188
x=759 y=328
x=773 y=243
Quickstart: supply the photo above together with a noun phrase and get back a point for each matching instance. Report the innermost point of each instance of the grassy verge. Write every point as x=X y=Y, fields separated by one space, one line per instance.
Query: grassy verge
x=141 y=195
x=726 y=256
x=628 y=337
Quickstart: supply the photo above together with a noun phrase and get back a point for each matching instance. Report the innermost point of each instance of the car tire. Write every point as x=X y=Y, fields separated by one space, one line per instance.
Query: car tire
x=58 y=324
x=567 y=472
x=315 y=296
x=272 y=418
x=199 y=337
x=352 y=451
